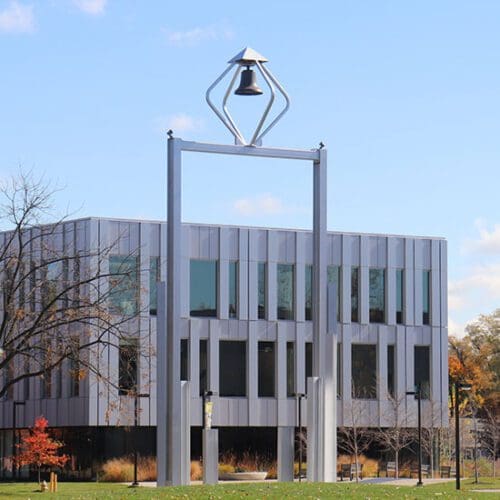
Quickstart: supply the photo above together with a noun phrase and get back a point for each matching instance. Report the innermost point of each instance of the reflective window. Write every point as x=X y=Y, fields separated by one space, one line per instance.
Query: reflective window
x=184 y=359
x=266 y=361
x=290 y=369
x=354 y=294
x=285 y=291
x=203 y=288
x=51 y=275
x=128 y=366
x=308 y=292
x=364 y=371
x=262 y=291
x=232 y=368
x=399 y=296
x=334 y=277
x=390 y=371
x=426 y=297
x=377 y=295
x=123 y=284
x=233 y=289
x=203 y=366
x=422 y=370
x=74 y=369
x=308 y=361
x=154 y=278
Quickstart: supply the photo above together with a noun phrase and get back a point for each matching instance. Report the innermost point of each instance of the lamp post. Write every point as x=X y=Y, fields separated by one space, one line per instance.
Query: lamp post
x=207 y=409
x=15 y=404
x=418 y=396
x=300 y=396
x=465 y=387
x=136 y=425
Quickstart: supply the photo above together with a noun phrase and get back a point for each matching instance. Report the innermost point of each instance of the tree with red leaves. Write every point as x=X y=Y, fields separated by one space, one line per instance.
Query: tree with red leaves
x=40 y=449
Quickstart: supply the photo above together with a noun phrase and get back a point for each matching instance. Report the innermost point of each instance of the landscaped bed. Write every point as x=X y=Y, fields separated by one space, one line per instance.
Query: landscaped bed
x=271 y=490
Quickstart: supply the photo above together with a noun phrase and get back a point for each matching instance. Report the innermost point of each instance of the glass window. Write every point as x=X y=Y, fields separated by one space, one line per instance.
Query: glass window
x=154 y=278
x=203 y=288
x=184 y=359
x=203 y=366
x=308 y=292
x=309 y=361
x=74 y=368
x=51 y=275
x=290 y=369
x=46 y=377
x=262 y=291
x=128 y=366
x=123 y=284
x=266 y=369
x=354 y=294
x=232 y=368
x=426 y=297
x=233 y=289
x=285 y=291
x=422 y=370
x=390 y=371
x=334 y=277
x=76 y=281
x=364 y=371
x=377 y=295
x=26 y=381
x=399 y=296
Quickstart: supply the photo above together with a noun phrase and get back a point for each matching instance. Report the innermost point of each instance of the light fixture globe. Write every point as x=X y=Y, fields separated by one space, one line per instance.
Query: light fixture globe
x=248 y=58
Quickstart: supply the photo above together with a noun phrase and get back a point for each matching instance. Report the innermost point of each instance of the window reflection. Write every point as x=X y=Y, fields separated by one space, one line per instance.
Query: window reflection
x=285 y=291
x=377 y=295
x=308 y=292
x=203 y=288
x=422 y=370
x=426 y=297
x=364 y=371
x=123 y=284
x=261 y=307
x=399 y=296
x=233 y=289
x=334 y=277
x=354 y=294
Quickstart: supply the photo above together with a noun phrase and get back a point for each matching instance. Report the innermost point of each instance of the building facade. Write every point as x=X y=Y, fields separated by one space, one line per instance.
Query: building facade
x=246 y=330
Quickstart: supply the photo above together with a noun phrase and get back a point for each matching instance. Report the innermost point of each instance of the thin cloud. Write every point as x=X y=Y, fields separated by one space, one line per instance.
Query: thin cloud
x=17 y=18
x=199 y=34
x=179 y=122
x=488 y=241
x=264 y=204
x=92 y=7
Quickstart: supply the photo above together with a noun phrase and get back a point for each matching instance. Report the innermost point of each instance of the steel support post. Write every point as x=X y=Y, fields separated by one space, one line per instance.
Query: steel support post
x=185 y=457
x=285 y=453
x=210 y=438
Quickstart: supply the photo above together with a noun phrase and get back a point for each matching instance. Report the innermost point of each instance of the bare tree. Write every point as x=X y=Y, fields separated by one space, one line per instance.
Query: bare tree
x=431 y=425
x=396 y=436
x=55 y=303
x=355 y=436
x=489 y=435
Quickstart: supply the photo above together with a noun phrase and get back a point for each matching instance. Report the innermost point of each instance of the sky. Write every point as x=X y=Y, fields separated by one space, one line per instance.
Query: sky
x=405 y=96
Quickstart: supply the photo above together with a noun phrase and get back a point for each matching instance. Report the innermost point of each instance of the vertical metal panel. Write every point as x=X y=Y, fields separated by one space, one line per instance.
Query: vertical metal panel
x=243 y=289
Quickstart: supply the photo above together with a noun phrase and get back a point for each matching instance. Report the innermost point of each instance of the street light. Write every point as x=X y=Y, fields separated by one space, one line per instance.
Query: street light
x=15 y=404
x=136 y=396
x=300 y=396
x=418 y=396
x=465 y=387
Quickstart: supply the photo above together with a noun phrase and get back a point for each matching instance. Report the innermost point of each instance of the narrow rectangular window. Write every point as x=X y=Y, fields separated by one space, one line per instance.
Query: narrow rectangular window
x=124 y=284
x=232 y=368
x=354 y=294
x=76 y=281
x=399 y=296
x=334 y=277
x=184 y=359
x=203 y=366
x=266 y=362
x=422 y=370
x=128 y=367
x=233 y=289
x=308 y=361
x=390 y=371
x=203 y=288
x=261 y=306
x=308 y=292
x=377 y=295
x=46 y=377
x=286 y=291
x=154 y=278
x=426 y=297
x=26 y=381
x=290 y=369
x=32 y=286
x=364 y=371
x=339 y=370
x=74 y=368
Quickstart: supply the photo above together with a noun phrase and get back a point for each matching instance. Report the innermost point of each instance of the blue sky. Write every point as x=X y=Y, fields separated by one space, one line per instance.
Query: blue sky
x=406 y=96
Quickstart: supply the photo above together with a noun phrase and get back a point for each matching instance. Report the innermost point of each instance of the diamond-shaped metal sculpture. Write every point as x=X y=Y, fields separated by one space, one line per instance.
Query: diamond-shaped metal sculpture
x=248 y=58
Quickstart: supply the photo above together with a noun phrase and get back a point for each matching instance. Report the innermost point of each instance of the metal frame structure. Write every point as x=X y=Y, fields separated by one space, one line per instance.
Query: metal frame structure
x=322 y=449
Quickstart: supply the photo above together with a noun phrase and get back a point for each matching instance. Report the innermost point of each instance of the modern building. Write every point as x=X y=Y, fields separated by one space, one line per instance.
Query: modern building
x=246 y=332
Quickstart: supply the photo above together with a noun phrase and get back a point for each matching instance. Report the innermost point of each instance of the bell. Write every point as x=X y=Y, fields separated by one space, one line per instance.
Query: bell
x=248 y=85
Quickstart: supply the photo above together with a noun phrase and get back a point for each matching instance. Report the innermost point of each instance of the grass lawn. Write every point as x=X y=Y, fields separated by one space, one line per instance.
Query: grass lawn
x=253 y=490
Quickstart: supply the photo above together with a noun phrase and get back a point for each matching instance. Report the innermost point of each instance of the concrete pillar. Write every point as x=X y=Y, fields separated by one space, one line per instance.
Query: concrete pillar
x=210 y=439
x=285 y=453
x=185 y=451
